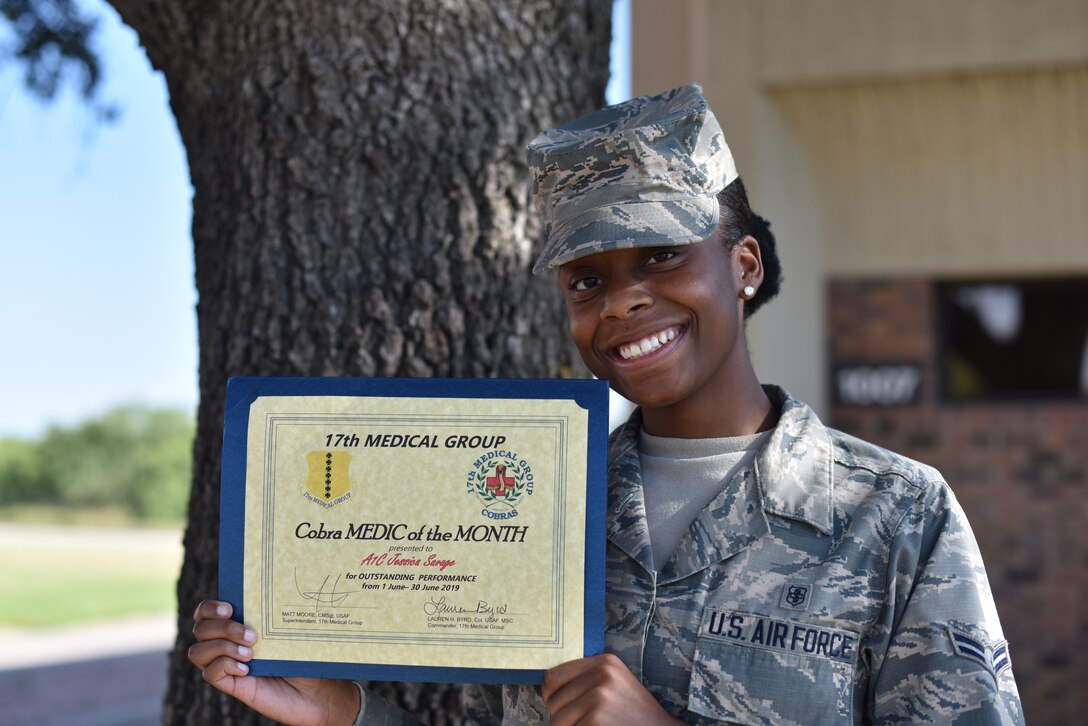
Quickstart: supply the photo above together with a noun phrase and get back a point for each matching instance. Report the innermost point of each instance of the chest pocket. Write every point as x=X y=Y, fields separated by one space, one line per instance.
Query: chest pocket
x=756 y=670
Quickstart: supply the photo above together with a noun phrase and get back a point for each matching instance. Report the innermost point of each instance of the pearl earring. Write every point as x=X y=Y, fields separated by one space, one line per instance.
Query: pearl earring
x=749 y=291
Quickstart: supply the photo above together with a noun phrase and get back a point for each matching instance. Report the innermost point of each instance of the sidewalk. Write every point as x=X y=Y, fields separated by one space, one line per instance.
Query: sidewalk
x=27 y=648
x=62 y=537
x=106 y=674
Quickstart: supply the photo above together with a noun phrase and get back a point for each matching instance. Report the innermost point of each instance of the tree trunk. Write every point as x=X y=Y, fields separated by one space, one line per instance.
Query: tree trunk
x=361 y=208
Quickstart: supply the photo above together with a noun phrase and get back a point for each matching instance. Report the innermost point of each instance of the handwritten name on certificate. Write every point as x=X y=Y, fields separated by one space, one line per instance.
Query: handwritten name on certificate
x=446 y=530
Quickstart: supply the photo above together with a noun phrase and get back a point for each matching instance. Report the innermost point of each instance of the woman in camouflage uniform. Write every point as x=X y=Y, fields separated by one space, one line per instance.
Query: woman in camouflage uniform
x=761 y=567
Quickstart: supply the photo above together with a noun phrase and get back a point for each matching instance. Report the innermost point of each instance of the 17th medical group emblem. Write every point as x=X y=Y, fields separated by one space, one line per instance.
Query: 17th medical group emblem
x=327 y=483
x=500 y=480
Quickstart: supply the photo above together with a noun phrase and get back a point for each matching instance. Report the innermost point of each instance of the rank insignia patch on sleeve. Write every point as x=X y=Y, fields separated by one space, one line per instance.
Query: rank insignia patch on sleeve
x=994 y=656
x=1001 y=660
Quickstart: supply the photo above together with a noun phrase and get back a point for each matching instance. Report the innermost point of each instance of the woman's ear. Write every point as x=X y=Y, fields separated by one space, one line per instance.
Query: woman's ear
x=748 y=266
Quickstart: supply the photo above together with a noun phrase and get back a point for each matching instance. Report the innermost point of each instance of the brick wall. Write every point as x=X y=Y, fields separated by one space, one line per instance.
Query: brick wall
x=1018 y=469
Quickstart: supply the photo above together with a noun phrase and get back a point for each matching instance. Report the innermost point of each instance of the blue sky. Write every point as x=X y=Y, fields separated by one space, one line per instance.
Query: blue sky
x=96 y=270
x=97 y=299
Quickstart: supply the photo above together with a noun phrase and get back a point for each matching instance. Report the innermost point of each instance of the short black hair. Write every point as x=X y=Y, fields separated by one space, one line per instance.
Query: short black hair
x=737 y=221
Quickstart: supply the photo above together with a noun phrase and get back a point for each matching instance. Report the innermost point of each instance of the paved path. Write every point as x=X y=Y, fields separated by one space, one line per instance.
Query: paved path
x=31 y=648
x=106 y=674
x=120 y=691
x=99 y=538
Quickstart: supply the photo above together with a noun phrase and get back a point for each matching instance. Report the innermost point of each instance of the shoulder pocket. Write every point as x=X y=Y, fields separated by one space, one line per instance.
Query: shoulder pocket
x=743 y=676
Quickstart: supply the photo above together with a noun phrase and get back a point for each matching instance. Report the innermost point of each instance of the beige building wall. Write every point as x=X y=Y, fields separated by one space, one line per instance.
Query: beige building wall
x=923 y=136
x=977 y=175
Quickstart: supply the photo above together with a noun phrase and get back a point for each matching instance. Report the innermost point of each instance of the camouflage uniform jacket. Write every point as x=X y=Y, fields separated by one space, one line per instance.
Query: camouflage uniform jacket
x=832 y=582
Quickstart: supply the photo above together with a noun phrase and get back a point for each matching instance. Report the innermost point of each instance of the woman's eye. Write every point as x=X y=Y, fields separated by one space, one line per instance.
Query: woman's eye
x=581 y=284
x=661 y=256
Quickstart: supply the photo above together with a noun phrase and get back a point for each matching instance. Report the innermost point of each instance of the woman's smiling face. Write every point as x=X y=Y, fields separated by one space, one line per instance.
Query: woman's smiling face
x=664 y=325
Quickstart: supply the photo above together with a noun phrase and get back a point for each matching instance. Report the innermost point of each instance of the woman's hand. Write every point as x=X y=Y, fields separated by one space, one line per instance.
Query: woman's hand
x=223 y=647
x=599 y=690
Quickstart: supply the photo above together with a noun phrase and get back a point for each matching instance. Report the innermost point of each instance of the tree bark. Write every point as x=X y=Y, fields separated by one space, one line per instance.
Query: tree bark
x=361 y=207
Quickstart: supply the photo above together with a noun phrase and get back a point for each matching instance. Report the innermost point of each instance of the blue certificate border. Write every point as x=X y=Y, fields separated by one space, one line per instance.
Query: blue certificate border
x=591 y=395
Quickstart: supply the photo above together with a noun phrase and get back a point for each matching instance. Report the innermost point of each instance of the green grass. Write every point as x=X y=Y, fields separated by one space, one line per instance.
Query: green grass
x=68 y=575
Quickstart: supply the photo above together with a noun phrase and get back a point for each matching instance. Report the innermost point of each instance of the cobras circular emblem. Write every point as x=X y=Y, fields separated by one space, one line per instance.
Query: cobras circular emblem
x=500 y=482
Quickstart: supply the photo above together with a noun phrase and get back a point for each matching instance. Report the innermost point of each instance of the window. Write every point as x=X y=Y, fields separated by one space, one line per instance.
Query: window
x=1020 y=339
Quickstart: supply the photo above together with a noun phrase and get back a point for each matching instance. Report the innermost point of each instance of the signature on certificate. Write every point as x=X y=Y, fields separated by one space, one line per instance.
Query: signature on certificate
x=325 y=595
x=440 y=607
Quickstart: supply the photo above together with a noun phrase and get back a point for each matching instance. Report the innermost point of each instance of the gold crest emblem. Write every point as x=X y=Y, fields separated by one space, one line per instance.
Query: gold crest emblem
x=327 y=476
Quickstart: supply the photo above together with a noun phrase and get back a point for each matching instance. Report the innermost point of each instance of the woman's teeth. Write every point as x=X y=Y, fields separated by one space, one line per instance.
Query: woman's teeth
x=639 y=348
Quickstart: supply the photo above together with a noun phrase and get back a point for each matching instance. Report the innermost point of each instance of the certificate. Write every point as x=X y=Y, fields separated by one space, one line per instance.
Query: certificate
x=415 y=529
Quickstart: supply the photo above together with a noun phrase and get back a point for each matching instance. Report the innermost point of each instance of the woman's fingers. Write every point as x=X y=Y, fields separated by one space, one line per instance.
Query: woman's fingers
x=201 y=654
x=208 y=609
x=212 y=622
x=601 y=690
x=223 y=646
x=222 y=671
x=226 y=630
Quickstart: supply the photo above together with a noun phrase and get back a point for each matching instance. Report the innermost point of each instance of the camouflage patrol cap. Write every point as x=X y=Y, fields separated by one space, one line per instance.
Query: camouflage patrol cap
x=644 y=172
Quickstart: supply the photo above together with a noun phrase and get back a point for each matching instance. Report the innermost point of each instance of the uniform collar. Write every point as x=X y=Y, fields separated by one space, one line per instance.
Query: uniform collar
x=795 y=468
x=626 y=524
x=792 y=477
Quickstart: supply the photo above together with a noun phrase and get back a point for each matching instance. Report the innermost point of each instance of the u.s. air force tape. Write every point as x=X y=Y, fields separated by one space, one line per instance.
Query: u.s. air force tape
x=784 y=636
